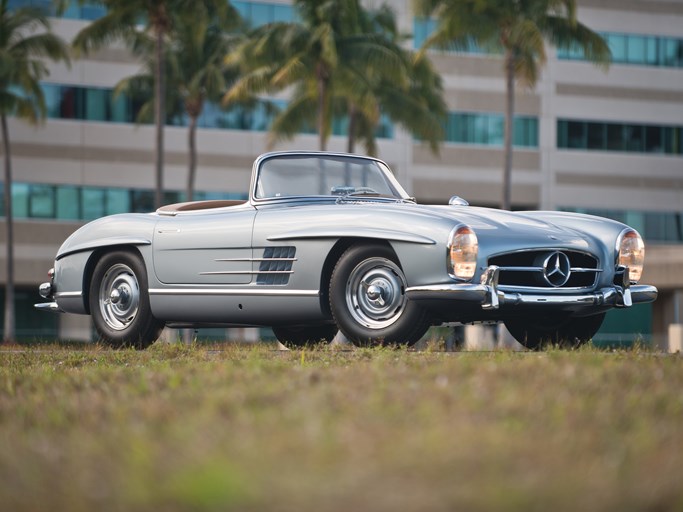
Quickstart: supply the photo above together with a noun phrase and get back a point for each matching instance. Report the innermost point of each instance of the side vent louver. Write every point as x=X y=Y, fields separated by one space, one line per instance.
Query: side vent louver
x=276 y=265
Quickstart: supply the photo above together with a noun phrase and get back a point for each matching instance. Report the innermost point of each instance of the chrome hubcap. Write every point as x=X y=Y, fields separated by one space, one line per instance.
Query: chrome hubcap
x=375 y=293
x=119 y=297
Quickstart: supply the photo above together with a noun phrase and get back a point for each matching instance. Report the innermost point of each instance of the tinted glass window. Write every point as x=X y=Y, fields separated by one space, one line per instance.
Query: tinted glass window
x=68 y=203
x=42 y=201
x=636 y=138
x=636 y=49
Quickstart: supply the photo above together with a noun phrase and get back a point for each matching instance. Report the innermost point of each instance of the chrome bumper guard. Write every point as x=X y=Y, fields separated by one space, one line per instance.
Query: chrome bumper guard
x=48 y=306
x=46 y=291
x=491 y=297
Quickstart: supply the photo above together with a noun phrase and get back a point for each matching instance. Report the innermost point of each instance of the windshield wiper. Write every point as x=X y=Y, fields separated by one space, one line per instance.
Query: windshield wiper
x=352 y=198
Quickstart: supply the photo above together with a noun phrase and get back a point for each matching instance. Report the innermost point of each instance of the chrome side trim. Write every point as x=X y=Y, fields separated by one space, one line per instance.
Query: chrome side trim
x=256 y=259
x=246 y=272
x=234 y=291
x=68 y=295
x=52 y=307
x=337 y=232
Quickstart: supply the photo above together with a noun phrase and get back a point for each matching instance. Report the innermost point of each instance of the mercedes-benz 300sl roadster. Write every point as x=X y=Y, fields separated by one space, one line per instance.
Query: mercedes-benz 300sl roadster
x=330 y=242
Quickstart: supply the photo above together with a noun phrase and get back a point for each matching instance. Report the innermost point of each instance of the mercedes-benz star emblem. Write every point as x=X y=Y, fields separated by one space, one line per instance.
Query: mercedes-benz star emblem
x=556 y=269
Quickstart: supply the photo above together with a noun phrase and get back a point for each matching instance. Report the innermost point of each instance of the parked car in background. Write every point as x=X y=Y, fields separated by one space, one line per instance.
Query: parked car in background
x=330 y=242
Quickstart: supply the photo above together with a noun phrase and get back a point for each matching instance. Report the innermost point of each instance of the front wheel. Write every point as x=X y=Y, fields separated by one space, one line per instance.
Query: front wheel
x=567 y=332
x=368 y=300
x=119 y=301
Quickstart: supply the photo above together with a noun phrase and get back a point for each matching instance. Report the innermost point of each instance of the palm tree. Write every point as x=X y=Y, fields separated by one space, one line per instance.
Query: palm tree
x=419 y=108
x=25 y=41
x=519 y=30
x=322 y=57
x=194 y=73
x=156 y=16
x=417 y=105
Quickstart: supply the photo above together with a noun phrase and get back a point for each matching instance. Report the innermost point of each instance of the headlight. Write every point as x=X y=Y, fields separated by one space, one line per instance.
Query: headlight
x=631 y=253
x=463 y=248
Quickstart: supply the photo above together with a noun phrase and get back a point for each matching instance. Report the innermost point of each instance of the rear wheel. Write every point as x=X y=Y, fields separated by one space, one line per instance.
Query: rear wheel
x=119 y=301
x=567 y=332
x=368 y=300
x=304 y=335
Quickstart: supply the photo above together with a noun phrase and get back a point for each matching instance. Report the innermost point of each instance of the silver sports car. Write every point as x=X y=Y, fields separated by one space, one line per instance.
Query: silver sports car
x=331 y=242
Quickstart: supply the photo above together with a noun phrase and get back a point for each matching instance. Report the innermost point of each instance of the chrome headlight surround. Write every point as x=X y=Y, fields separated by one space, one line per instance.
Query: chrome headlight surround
x=630 y=253
x=462 y=252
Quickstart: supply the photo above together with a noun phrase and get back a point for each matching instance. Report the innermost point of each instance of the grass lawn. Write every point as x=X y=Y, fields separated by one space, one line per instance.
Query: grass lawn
x=179 y=428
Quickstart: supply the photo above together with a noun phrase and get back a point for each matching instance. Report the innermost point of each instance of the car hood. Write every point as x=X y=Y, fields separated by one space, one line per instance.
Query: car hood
x=510 y=230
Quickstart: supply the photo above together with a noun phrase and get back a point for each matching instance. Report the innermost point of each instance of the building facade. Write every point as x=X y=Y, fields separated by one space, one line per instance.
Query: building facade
x=588 y=140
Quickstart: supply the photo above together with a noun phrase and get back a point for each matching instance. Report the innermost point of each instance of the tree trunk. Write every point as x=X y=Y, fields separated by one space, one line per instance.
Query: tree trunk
x=192 y=164
x=9 y=331
x=509 y=116
x=321 y=115
x=160 y=117
x=351 y=146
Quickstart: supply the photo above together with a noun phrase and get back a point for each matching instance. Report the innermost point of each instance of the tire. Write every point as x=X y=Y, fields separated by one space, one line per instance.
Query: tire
x=565 y=332
x=119 y=302
x=299 y=336
x=368 y=301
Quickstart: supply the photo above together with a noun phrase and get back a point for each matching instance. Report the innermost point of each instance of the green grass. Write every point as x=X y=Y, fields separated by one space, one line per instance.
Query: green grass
x=238 y=428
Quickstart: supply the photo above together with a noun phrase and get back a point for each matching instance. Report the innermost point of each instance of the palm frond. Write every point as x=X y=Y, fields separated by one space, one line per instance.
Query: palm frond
x=566 y=35
x=297 y=116
x=103 y=32
x=45 y=45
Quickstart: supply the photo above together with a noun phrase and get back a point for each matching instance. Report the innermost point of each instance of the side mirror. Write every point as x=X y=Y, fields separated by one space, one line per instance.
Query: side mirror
x=457 y=201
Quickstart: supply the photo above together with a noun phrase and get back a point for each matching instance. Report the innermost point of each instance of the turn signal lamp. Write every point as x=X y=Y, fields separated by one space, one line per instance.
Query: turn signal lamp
x=463 y=248
x=631 y=253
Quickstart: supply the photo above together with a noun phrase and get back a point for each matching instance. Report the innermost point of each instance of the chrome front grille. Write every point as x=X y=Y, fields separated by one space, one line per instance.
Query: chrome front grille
x=547 y=268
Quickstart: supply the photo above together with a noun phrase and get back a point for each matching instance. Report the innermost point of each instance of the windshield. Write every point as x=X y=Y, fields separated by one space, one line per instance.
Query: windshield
x=316 y=175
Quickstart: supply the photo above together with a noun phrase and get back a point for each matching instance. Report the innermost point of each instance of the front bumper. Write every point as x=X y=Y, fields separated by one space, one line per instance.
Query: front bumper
x=490 y=297
x=48 y=306
x=47 y=291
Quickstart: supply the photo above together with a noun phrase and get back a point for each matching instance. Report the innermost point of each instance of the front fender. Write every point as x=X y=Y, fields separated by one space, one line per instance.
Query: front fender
x=123 y=229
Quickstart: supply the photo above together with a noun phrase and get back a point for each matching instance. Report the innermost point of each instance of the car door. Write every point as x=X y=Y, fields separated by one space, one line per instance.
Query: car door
x=205 y=248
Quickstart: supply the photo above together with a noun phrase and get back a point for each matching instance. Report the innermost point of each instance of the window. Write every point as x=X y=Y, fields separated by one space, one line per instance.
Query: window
x=262 y=13
x=96 y=103
x=42 y=201
x=101 y=105
x=84 y=11
x=489 y=129
x=93 y=204
x=20 y=195
x=595 y=136
x=653 y=226
x=642 y=50
x=70 y=202
x=626 y=137
x=617 y=45
x=525 y=132
x=45 y=5
x=423 y=28
x=615 y=137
